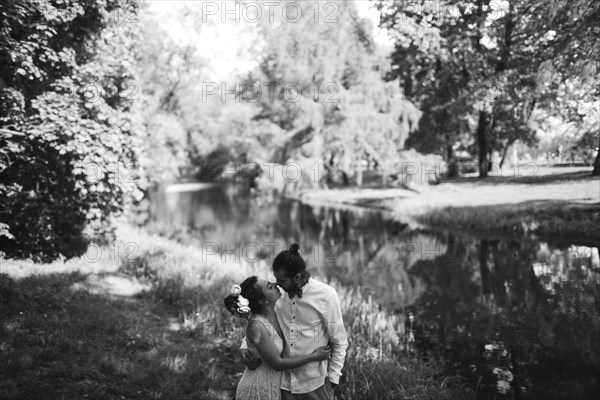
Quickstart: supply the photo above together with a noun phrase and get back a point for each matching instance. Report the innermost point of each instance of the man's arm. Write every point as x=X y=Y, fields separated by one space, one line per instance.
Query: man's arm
x=338 y=339
x=258 y=333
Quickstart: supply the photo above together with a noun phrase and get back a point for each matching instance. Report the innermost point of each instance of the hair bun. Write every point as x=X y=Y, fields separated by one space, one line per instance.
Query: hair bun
x=294 y=247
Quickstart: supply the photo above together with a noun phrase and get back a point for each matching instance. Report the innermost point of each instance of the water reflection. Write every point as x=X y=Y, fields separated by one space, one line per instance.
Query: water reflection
x=519 y=318
x=521 y=314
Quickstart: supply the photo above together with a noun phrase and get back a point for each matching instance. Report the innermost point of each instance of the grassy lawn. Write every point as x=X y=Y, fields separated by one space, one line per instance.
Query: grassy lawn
x=148 y=323
x=553 y=203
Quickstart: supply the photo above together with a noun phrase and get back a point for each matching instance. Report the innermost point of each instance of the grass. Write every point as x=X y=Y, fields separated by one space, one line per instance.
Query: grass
x=556 y=203
x=149 y=324
x=410 y=378
x=574 y=222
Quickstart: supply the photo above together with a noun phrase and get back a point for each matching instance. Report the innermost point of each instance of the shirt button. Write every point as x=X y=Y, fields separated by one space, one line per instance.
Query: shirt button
x=293 y=316
x=294 y=303
x=292 y=344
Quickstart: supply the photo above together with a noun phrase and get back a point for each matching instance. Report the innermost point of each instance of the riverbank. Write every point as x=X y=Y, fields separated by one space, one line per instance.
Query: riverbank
x=553 y=203
x=143 y=319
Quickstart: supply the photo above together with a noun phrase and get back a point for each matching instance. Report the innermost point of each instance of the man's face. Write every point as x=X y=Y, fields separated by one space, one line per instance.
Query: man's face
x=285 y=282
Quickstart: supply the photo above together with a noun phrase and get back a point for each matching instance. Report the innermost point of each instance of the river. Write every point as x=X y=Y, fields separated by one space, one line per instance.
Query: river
x=512 y=315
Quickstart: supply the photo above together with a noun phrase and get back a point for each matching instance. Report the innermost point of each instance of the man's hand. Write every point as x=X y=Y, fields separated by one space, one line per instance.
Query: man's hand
x=330 y=388
x=333 y=385
x=249 y=360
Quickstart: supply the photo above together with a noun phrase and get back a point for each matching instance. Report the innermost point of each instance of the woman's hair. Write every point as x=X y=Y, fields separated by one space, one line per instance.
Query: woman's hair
x=290 y=261
x=250 y=292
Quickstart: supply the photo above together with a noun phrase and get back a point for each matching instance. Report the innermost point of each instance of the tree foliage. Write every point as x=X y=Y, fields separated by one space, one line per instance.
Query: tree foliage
x=482 y=67
x=70 y=132
x=329 y=93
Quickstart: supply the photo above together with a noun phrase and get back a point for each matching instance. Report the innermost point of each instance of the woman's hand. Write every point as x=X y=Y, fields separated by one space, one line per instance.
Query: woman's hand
x=322 y=353
x=249 y=360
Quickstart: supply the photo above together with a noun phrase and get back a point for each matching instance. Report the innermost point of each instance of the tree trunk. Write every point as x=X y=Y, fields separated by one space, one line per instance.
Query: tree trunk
x=359 y=173
x=597 y=164
x=504 y=152
x=332 y=159
x=452 y=163
x=482 y=144
x=449 y=151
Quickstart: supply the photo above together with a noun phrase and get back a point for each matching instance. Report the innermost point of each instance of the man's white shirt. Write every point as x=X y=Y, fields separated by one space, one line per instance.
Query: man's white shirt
x=309 y=322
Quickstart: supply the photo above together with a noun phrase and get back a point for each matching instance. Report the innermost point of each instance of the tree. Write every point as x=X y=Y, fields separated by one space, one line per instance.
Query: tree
x=68 y=121
x=345 y=108
x=492 y=51
x=191 y=133
x=169 y=70
x=570 y=73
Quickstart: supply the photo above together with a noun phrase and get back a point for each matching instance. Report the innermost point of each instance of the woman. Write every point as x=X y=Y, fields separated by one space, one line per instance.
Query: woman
x=255 y=300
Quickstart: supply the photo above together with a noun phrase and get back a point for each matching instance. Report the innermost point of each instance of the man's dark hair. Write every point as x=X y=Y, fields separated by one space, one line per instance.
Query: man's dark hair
x=290 y=261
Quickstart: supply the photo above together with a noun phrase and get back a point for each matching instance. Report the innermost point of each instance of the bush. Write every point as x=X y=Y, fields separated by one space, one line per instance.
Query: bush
x=46 y=218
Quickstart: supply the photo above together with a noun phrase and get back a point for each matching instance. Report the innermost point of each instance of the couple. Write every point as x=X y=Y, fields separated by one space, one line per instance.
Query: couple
x=295 y=344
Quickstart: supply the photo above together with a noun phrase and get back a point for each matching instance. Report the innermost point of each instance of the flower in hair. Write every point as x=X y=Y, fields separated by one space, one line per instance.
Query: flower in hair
x=243 y=305
x=236 y=290
x=242 y=301
x=243 y=310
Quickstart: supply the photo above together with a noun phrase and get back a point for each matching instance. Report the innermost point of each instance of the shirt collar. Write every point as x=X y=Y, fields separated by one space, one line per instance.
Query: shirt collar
x=301 y=291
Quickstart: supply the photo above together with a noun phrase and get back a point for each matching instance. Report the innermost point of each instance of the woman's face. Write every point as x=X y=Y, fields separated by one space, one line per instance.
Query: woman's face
x=269 y=289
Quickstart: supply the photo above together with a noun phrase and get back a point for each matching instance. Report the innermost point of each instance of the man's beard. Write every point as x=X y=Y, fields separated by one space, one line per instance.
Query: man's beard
x=292 y=288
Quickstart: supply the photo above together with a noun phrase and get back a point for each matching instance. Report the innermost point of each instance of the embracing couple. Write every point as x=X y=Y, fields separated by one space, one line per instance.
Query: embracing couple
x=295 y=343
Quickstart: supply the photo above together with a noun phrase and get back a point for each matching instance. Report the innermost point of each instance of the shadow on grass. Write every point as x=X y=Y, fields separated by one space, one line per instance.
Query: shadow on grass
x=527 y=176
x=553 y=220
x=59 y=342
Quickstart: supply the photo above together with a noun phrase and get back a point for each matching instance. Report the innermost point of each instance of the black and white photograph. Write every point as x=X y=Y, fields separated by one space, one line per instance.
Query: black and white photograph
x=300 y=199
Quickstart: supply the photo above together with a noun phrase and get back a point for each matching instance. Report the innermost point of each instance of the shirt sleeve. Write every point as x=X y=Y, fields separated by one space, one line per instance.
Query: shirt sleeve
x=337 y=337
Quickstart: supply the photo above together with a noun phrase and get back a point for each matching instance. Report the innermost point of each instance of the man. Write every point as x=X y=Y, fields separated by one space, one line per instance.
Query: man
x=310 y=317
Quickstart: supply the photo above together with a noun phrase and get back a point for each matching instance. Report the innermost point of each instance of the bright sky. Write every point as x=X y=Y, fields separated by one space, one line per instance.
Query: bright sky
x=227 y=44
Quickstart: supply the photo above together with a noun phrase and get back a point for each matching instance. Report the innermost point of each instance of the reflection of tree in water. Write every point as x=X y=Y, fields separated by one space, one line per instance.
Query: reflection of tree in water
x=357 y=249
x=191 y=210
x=490 y=313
